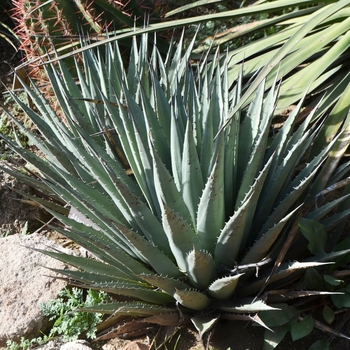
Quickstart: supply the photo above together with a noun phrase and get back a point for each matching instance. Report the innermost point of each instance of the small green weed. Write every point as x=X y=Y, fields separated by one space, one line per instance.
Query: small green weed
x=68 y=323
x=26 y=343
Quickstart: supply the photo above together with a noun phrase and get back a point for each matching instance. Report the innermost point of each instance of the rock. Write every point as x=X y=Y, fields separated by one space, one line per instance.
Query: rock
x=23 y=285
x=58 y=344
x=76 y=345
x=15 y=215
x=135 y=345
x=121 y=344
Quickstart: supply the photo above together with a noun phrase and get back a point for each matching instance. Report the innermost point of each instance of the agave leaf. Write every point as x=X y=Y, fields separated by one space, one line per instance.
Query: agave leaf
x=248 y=135
x=162 y=110
x=152 y=296
x=329 y=256
x=337 y=177
x=212 y=110
x=248 y=318
x=176 y=145
x=131 y=309
x=79 y=195
x=247 y=307
x=333 y=96
x=204 y=324
x=201 y=268
x=151 y=254
x=44 y=203
x=335 y=154
x=284 y=271
x=211 y=210
x=229 y=242
x=262 y=246
x=91 y=266
x=166 y=189
x=143 y=160
x=296 y=189
x=224 y=287
x=160 y=139
x=52 y=149
x=283 y=296
x=119 y=287
x=104 y=245
x=34 y=182
x=192 y=299
x=275 y=184
x=127 y=201
x=179 y=63
x=82 y=277
x=164 y=319
x=231 y=151
x=332 y=221
x=191 y=179
x=254 y=195
x=320 y=212
x=282 y=146
x=126 y=132
x=168 y=285
x=181 y=236
x=329 y=129
x=259 y=143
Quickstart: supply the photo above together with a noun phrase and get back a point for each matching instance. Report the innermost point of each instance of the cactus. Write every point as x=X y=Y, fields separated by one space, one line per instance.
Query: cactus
x=42 y=25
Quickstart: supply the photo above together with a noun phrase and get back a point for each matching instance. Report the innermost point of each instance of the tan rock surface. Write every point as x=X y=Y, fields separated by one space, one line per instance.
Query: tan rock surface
x=24 y=284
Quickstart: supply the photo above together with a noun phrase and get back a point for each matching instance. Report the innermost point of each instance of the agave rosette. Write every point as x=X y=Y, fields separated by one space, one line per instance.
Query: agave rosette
x=181 y=214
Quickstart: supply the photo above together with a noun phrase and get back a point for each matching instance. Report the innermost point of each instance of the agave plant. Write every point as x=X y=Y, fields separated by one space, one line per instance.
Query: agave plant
x=187 y=219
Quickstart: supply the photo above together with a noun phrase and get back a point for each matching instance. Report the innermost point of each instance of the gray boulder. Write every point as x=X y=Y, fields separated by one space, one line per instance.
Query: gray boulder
x=24 y=283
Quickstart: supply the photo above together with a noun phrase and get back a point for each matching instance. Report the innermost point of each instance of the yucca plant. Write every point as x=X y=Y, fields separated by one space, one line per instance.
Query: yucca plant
x=187 y=219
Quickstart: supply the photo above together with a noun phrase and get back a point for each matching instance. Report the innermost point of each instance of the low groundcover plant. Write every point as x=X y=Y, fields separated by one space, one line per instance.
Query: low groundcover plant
x=191 y=212
x=69 y=323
